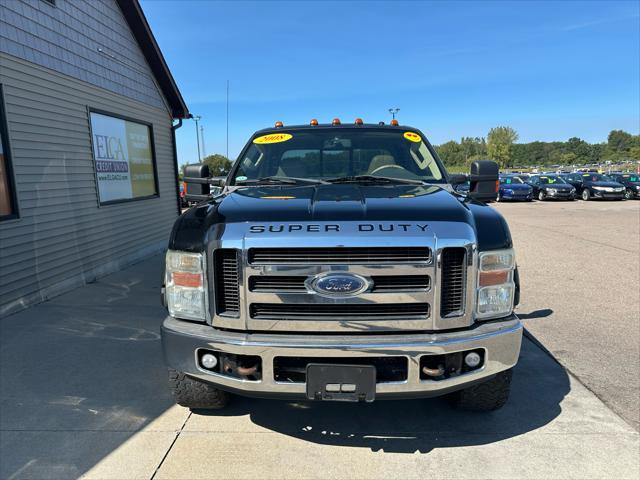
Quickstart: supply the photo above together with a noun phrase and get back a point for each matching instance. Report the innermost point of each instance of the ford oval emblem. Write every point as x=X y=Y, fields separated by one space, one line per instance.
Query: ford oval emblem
x=339 y=284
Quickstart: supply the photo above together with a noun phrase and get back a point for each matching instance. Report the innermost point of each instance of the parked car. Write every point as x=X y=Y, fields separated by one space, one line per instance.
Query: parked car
x=595 y=185
x=631 y=182
x=551 y=187
x=513 y=188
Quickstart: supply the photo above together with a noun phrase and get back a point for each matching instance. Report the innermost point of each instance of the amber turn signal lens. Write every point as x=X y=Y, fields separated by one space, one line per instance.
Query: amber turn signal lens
x=394 y=122
x=359 y=121
x=313 y=122
x=279 y=124
x=184 y=279
x=335 y=121
x=493 y=278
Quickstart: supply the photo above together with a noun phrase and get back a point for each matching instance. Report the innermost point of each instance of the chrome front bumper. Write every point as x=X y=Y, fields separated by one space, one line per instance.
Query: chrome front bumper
x=500 y=339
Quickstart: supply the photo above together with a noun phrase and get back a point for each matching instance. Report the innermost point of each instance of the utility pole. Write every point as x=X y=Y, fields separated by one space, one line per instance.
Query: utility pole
x=393 y=112
x=197 y=119
x=227 y=118
x=204 y=151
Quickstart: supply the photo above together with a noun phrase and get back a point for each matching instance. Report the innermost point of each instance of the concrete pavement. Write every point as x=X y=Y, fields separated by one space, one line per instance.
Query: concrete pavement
x=579 y=265
x=83 y=394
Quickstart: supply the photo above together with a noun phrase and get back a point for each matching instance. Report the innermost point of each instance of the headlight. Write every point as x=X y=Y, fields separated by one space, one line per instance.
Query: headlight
x=185 y=286
x=495 y=284
x=552 y=190
x=619 y=189
x=601 y=189
x=637 y=187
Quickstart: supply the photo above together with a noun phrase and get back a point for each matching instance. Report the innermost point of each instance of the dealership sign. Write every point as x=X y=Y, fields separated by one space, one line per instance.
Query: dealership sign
x=123 y=155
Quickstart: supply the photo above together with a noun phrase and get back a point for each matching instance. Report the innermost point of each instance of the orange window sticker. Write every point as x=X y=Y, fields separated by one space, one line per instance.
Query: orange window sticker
x=413 y=137
x=278 y=197
x=273 y=138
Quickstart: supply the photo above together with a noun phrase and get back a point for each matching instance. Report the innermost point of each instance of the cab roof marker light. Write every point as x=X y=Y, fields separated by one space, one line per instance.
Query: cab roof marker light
x=313 y=122
x=359 y=121
x=279 y=124
x=394 y=122
x=335 y=121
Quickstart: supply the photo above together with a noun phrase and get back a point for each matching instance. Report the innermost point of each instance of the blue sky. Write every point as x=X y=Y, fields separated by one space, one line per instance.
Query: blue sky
x=551 y=70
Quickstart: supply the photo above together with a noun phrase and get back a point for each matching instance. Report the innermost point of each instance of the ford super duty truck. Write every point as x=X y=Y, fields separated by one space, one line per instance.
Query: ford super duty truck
x=337 y=262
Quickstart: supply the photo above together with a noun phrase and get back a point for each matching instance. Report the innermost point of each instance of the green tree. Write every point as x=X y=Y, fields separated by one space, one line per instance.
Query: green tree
x=499 y=143
x=618 y=141
x=219 y=165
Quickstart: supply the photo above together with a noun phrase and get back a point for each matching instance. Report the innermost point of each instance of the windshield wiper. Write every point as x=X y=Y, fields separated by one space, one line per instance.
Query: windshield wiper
x=276 y=180
x=374 y=179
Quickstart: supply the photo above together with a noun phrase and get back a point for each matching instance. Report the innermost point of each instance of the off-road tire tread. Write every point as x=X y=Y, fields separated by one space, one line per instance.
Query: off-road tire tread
x=195 y=394
x=484 y=397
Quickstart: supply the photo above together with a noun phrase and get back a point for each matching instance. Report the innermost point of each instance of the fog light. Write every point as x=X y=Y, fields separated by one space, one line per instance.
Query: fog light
x=472 y=359
x=209 y=361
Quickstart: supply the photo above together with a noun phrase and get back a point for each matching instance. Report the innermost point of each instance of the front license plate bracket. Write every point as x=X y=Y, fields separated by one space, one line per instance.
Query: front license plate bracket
x=342 y=383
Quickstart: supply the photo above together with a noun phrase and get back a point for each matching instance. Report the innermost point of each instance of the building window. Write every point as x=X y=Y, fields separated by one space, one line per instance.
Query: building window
x=124 y=158
x=8 y=204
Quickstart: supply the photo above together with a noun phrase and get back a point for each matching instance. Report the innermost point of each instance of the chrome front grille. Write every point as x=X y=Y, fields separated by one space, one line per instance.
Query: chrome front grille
x=227 y=282
x=453 y=281
x=423 y=280
x=329 y=312
x=380 y=283
x=339 y=255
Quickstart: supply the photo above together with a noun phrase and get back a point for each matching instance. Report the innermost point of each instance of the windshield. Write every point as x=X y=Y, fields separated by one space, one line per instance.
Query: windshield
x=327 y=154
x=551 y=179
x=511 y=180
x=595 y=177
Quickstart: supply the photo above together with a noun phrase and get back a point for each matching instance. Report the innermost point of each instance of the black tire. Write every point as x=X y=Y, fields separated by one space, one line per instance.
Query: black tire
x=484 y=397
x=628 y=194
x=195 y=394
x=541 y=196
x=586 y=195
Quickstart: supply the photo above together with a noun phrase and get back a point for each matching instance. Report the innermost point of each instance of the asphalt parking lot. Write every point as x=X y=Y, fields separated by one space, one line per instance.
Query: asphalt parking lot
x=83 y=388
x=579 y=264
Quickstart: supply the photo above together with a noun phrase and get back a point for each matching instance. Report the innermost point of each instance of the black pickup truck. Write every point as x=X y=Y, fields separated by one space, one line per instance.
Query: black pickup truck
x=338 y=263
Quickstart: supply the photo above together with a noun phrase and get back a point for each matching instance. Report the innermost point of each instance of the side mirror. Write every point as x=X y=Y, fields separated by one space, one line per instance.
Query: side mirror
x=484 y=181
x=196 y=178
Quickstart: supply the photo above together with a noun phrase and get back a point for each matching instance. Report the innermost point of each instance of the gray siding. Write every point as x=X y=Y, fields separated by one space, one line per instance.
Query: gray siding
x=63 y=238
x=87 y=40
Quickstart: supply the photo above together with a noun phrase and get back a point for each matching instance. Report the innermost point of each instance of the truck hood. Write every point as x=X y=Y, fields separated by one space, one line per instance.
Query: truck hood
x=342 y=202
x=374 y=204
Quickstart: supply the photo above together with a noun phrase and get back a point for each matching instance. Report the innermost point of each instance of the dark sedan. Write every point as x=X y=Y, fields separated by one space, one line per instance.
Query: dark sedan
x=591 y=185
x=513 y=188
x=551 y=187
x=631 y=182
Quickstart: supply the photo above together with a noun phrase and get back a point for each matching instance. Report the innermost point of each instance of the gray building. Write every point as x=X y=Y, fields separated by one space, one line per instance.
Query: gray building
x=88 y=169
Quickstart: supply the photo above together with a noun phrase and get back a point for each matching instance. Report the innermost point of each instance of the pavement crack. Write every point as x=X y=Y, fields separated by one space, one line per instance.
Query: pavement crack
x=171 y=446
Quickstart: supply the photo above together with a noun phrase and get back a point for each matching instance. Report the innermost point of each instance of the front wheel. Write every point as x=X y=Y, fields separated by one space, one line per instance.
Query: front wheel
x=195 y=394
x=628 y=194
x=586 y=195
x=541 y=195
x=484 y=397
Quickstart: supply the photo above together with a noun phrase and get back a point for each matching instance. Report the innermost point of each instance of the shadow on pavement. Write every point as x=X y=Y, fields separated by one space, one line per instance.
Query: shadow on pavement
x=542 y=313
x=538 y=388
x=81 y=374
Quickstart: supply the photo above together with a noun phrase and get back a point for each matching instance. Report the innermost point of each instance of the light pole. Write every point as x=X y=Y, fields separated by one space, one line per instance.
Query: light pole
x=204 y=152
x=197 y=119
x=393 y=112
